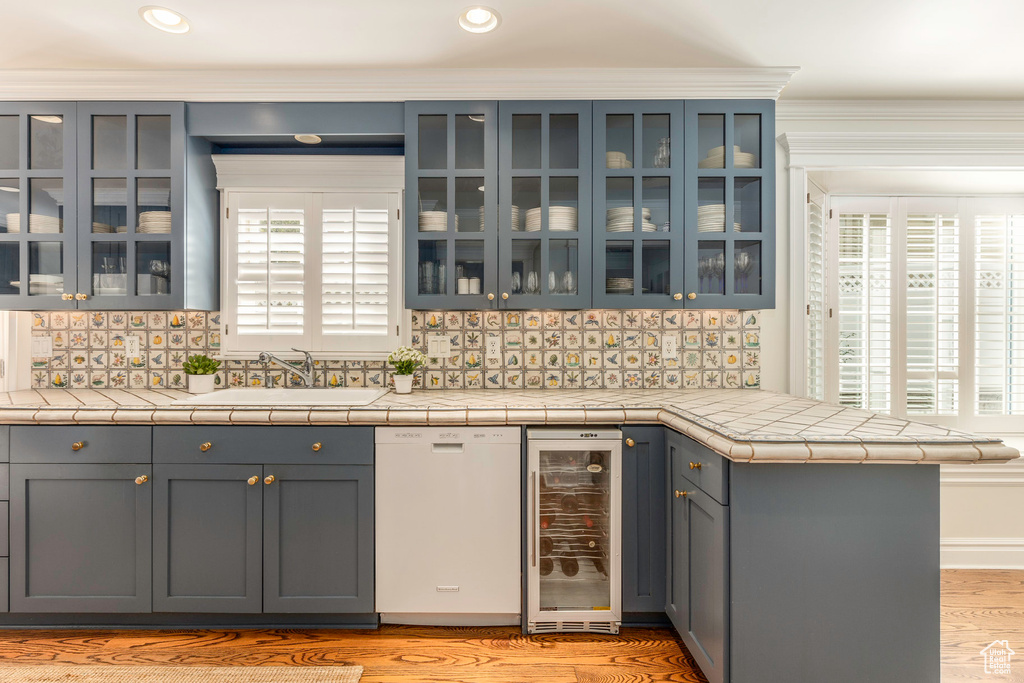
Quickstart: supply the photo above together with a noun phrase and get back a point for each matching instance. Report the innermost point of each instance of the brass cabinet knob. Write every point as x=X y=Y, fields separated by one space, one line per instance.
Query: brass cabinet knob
x=78 y=445
x=269 y=480
x=205 y=446
x=504 y=295
x=317 y=446
x=678 y=296
x=141 y=480
x=67 y=297
x=253 y=480
x=490 y=296
x=691 y=296
x=630 y=443
x=695 y=465
x=682 y=493
x=81 y=297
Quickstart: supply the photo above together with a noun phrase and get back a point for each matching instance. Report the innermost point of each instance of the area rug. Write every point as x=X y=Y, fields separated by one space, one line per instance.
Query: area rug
x=98 y=673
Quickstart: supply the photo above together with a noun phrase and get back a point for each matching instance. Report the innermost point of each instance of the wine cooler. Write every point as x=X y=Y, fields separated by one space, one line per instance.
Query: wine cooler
x=574 y=558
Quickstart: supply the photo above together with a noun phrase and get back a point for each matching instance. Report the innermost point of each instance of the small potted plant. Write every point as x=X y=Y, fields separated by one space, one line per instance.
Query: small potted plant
x=202 y=373
x=405 y=360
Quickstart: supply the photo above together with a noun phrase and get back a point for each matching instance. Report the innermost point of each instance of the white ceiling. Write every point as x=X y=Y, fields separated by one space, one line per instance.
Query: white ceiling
x=941 y=49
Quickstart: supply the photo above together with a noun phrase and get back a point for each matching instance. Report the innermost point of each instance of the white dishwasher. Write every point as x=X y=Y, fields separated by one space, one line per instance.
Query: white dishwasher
x=448 y=520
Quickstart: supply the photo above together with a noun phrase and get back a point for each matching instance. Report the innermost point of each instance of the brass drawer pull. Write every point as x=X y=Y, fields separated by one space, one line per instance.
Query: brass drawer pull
x=141 y=480
x=682 y=493
x=78 y=445
x=205 y=446
x=695 y=465
x=253 y=480
x=269 y=480
x=317 y=446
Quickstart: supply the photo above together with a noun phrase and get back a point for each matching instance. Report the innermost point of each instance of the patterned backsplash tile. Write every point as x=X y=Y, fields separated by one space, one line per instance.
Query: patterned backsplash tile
x=537 y=349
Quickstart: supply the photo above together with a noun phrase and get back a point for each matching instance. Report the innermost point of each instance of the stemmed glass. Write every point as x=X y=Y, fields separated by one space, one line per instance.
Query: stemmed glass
x=703 y=270
x=717 y=271
x=744 y=264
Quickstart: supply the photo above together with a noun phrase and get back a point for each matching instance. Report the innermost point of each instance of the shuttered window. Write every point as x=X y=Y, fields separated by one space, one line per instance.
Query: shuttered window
x=316 y=271
x=815 y=288
x=928 y=297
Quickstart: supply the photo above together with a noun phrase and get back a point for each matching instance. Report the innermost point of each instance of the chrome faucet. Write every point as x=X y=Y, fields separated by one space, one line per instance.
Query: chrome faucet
x=305 y=373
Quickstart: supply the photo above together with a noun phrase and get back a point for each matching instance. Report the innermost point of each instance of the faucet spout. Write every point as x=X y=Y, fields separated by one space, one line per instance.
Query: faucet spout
x=305 y=373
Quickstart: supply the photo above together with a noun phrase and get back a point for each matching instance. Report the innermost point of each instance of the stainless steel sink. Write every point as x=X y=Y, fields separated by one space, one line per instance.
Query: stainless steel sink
x=285 y=397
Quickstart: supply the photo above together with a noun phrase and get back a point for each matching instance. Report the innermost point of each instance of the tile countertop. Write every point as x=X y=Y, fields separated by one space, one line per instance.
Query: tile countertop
x=742 y=425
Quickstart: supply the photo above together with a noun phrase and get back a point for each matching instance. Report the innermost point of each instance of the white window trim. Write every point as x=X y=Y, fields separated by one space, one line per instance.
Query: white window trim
x=243 y=173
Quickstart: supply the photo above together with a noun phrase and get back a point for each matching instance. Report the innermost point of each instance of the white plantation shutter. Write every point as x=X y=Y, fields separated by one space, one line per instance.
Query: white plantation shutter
x=815 y=288
x=865 y=309
x=999 y=313
x=355 y=265
x=932 y=313
x=313 y=270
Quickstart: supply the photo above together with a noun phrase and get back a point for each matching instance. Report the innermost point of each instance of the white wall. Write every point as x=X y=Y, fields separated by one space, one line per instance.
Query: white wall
x=982 y=506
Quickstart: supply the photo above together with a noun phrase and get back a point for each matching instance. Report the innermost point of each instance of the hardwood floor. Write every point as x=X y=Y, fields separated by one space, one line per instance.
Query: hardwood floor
x=977 y=608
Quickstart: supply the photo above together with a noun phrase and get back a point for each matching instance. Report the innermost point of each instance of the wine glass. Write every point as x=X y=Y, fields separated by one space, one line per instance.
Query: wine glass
x=718 y=271
x=744 y=264
x=552 y=282
x=532 y=282
x=517 y=283
x=703 y=271
x=569 y=282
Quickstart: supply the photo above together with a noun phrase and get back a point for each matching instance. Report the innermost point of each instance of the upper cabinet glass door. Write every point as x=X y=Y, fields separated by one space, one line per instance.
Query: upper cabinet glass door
x=638 y=204
x=544 y=215
x=131 y=200
x=451 y=204
x=730 y=207
x=37 y=205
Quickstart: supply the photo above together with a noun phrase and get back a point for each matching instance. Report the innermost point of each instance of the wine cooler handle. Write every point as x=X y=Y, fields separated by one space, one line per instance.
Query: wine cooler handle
x=535 y=507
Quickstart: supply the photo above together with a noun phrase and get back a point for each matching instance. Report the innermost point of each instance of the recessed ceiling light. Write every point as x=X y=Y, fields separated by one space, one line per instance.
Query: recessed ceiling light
x=309 y=139
x=164 y=19
x=479 y=19
x=8 y=188
x=48 y=119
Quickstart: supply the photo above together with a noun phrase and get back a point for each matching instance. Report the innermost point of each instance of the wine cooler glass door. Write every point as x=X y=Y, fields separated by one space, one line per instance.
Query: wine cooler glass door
x=576 y=517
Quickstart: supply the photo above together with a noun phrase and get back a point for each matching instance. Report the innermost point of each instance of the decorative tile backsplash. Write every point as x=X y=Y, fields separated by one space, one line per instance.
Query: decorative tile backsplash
x=537 y=349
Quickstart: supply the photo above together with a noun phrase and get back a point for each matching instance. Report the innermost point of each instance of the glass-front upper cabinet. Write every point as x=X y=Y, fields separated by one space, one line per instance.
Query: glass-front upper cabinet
x=37 y=205
x=638 y=204
x=451 y=191
x=544 y=212
x=730 y=204
x=131 y=168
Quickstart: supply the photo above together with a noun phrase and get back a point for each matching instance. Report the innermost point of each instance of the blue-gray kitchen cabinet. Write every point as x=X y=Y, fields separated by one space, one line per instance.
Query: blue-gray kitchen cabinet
x=729 y=255
x=544 y=204
x=451 y=205
x=643 y=521
x=38 y=207
x=638 y=204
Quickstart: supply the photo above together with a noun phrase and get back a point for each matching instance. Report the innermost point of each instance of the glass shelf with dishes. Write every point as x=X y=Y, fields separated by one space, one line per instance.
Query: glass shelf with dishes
x=729 y=180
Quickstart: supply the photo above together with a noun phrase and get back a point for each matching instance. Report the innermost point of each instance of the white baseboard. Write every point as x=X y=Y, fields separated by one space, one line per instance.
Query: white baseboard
x=981 y=553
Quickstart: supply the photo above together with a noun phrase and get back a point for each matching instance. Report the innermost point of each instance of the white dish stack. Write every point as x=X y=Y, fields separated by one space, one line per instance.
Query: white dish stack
x=711 y=218
x=716 y=158
x=516 y=225
x=155 y=223
x=104 y=229
x=42 y=284
x=621 y=220
x=37 y=223
x=435 y=221
x=619 y=285
x=560 y=219
x=617 y=160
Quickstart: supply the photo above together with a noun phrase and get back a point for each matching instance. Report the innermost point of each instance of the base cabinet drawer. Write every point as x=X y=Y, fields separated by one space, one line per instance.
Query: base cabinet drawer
x=80 y=538
x=81 y=444
x=243 y=445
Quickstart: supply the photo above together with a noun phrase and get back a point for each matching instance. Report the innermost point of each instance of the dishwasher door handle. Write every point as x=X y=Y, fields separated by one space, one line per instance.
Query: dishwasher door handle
x=535 y=509
x=448 y=448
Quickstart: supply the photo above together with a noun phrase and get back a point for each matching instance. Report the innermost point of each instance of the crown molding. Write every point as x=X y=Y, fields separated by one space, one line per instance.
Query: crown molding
x=899 y=110
x=904 y=149
x=365 y=85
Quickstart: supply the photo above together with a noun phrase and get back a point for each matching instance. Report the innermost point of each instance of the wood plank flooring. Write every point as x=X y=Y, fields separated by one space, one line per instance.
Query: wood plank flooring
x=978 y=606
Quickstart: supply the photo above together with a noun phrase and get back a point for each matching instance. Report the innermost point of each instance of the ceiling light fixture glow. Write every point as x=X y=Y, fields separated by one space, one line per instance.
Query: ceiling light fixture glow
x=309 y=138
x=8 y=188
x=479 y=19
x=164 y=19
x=47 y=118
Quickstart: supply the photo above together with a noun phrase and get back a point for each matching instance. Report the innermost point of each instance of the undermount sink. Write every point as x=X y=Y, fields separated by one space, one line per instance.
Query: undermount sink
x=285 y=397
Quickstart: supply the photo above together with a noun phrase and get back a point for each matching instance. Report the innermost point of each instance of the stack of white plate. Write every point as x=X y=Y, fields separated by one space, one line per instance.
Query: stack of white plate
x=102 y=228
x=711 y=218
x=516 y=225
x=618 y=160
x=621 y=220
x=560 y=219
x=155 y=222
x=39 y=284
x=716 y=158
x=47 y=225
x=13 y=222
x=619 y=285
x=435 y=221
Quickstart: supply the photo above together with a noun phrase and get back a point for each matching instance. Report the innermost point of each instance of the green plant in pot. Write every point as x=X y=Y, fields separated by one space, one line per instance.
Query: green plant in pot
x=202 y=373
x=405 y=361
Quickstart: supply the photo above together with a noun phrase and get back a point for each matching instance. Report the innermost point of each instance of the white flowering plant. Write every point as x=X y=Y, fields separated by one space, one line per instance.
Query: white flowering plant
x=406 y=360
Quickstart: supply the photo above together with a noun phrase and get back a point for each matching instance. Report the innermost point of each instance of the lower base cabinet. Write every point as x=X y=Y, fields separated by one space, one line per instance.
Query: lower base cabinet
x=80 y=538
x=263 y=538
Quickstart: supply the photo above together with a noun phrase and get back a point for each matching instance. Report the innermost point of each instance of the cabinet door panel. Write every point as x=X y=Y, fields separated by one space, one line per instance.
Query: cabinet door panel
x=643 y=519
x=318 y=539
x=80 y=538
x=207 y=538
